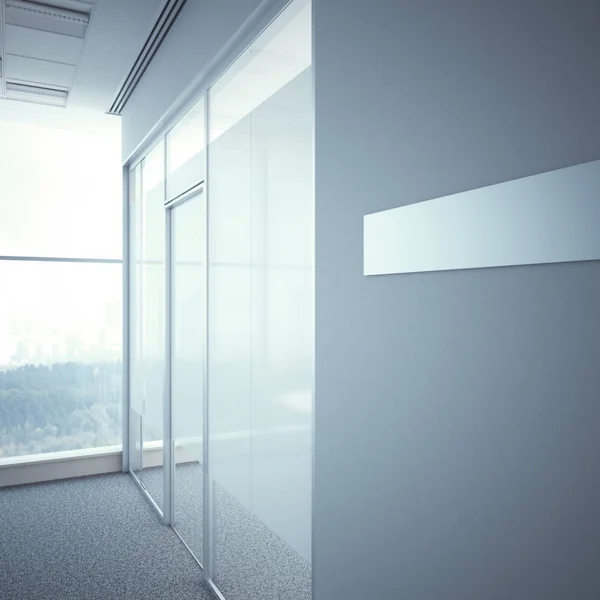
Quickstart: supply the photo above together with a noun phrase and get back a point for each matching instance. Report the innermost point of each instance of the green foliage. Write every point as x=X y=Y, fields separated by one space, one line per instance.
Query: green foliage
x=66 y=406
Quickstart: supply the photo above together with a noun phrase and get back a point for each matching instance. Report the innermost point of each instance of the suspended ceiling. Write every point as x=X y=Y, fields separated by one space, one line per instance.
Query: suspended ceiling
x=70 y=53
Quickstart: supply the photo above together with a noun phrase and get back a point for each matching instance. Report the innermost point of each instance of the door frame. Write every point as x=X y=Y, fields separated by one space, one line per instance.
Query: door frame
x=169 y=450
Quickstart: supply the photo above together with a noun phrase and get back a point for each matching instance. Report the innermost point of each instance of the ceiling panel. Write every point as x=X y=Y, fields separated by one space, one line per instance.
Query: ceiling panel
x=49 y=43
x=27 y=14
x=39 y=71
x=34 y=43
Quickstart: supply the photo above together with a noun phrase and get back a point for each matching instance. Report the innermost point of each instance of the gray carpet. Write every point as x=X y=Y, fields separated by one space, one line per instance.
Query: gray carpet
x=189 y=504
x=152 y=479
x=188 y=501
x=250 y=561
x=94 y=538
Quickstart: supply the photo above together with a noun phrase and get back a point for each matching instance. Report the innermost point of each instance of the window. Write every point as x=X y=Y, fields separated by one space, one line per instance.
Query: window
x=61 y=301
x=60 y=193
x=60 y=356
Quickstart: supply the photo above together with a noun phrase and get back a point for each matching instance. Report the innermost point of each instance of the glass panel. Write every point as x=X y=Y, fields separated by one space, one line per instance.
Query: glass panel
x=185 y=152
x=153 y=318
x=60 y=356
x=230 y=320
x=72 y=206
x=187 y=370
x=261 y=320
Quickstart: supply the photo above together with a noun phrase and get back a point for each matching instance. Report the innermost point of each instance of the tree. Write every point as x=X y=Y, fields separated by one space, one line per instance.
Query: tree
x=59 y=407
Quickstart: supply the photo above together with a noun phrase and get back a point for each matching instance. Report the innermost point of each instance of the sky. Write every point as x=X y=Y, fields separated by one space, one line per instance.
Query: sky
x=60 y=196
x=60 y=192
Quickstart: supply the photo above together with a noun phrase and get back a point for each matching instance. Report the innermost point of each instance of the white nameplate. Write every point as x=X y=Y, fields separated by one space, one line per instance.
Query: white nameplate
x=548 y=218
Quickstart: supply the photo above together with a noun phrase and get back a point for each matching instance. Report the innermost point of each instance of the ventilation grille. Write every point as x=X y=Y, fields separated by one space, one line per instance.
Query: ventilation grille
x=65 y=17
x=47 y=10
x=37 y=94
x=167 y=17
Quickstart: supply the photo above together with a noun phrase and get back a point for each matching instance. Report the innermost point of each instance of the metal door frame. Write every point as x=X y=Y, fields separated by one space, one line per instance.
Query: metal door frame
x=197 y=192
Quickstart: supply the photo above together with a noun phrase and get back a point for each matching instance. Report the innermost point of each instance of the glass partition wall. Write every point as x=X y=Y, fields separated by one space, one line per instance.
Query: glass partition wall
x=167 y=268
x=147 y=321
x=221 y=219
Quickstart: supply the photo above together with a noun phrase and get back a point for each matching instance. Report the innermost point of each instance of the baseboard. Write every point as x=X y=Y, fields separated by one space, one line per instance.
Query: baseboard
x=59 y=465
x=64 y=465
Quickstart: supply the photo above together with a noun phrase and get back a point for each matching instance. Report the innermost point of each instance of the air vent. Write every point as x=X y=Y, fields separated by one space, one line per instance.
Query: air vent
x=37 y=94
x=167 y=17
x=67 y=18
x=47 y=10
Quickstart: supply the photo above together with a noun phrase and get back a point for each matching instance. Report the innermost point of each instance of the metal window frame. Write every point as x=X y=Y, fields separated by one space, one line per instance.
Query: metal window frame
x=60 y=259
x=207 y=514
x=125 y=324
x=313 y=506
x=168 y=449
x=2 y=52
x=186 y=195
x=128 y=422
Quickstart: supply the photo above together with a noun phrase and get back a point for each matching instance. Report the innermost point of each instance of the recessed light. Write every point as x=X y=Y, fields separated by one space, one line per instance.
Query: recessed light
x=36 y=94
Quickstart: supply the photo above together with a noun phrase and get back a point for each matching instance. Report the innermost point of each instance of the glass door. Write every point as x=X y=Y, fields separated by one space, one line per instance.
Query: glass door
x=186 y=223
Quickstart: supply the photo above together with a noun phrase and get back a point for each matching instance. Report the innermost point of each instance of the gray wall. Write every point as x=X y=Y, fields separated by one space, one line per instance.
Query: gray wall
x=457 y=413
x=198 y=35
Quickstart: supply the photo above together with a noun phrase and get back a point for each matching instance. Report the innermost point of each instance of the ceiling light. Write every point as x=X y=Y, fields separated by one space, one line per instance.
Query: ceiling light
x=55 y=17
x=48 y=10
x=37 y=94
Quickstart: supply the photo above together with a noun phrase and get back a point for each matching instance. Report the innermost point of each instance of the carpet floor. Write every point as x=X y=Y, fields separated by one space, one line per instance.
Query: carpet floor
x=93 y=538
x=188 y=501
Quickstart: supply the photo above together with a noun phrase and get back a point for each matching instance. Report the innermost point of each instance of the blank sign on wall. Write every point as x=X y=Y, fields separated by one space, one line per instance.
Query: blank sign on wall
x=548 y=218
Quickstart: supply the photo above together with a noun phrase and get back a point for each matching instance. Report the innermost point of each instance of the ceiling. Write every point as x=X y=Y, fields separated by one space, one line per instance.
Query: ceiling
x=70 y=53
